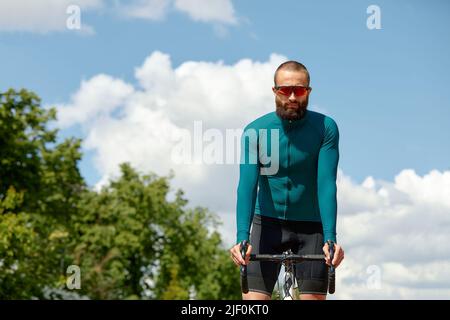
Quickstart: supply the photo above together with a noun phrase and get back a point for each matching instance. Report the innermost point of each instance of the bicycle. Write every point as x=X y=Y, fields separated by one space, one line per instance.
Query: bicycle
x=288 y=260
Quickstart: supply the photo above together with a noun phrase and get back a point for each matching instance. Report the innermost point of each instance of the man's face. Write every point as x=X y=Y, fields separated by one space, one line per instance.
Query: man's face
x=291 y=107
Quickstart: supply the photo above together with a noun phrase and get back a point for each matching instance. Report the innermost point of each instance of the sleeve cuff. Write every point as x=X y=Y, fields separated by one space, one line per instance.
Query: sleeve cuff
x=329 y=236
x=241 y=236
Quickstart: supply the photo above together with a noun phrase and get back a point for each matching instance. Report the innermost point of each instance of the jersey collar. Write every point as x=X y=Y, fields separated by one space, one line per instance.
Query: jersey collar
x=290 y=124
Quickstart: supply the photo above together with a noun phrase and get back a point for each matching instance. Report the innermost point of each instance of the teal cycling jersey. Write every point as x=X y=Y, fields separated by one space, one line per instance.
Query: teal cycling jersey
x=293 y=172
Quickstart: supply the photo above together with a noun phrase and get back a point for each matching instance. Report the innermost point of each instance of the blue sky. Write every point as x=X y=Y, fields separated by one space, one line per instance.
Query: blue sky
x=387 y=89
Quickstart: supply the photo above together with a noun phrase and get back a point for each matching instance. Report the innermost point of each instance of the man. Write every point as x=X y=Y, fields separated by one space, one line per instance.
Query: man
x=294 y=207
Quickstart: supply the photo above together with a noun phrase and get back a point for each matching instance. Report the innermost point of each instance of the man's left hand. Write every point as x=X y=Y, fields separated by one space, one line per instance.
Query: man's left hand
x=338 y=254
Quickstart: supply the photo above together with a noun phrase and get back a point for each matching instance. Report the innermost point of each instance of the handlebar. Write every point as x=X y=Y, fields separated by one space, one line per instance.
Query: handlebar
x=287 y=257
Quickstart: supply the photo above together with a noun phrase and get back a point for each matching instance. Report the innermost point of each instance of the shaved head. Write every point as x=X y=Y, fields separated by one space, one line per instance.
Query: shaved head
x=291 y=66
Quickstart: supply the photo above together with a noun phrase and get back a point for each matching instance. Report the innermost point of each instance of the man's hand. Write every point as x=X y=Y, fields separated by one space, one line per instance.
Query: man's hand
x=338 y=254
x=237 y=257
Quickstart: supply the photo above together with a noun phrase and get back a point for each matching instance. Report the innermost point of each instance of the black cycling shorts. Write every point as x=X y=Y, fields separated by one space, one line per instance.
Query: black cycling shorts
x=274 y=236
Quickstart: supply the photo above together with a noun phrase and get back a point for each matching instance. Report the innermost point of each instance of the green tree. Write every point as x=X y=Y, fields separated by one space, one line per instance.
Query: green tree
x=128 y=239
x=134 y=243
x=40 y=186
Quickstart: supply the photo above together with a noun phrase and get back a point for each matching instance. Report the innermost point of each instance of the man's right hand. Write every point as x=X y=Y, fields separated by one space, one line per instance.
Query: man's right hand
x=235 y=252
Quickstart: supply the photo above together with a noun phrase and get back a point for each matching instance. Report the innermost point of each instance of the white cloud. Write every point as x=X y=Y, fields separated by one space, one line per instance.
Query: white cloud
x=213 y=10
x=212 y=92
x=96 y=97
x=423 y=190
x=217 y=11
x=42 y=16
x=400 y=228
x=52 y=15
x=140 y=124
x=145 y=9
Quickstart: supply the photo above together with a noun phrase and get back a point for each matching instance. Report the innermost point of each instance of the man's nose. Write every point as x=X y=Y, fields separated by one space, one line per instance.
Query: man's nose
x=292 y=97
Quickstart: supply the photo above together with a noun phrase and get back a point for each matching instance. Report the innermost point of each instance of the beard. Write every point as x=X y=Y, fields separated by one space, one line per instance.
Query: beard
x=289 y=113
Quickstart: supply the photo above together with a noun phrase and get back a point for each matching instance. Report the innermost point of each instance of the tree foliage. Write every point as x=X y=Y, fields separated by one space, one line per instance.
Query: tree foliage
x=128 y=239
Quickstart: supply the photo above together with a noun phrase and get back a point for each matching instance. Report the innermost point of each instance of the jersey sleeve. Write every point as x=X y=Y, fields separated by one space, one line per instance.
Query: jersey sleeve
x=248 y=183
x=326 y=179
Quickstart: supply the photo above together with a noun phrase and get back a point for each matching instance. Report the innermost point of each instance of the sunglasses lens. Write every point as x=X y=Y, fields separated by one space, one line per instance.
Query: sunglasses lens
x=299 y=91
x=285 y=91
